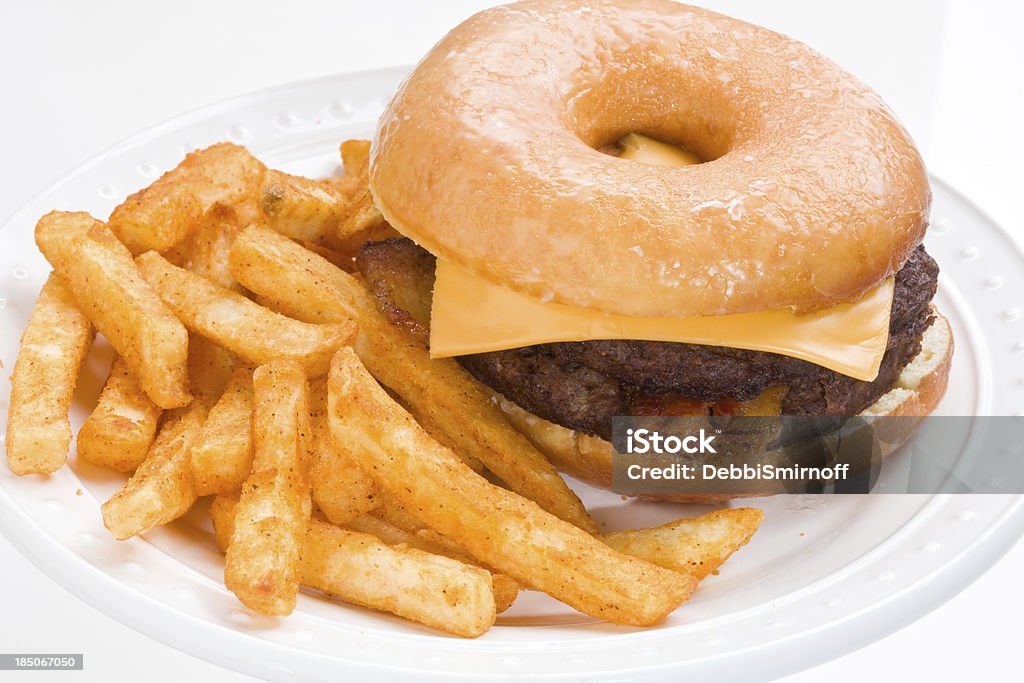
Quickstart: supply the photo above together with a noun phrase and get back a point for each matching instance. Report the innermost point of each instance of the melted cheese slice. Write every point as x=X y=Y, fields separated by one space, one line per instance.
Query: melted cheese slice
x=473 y=315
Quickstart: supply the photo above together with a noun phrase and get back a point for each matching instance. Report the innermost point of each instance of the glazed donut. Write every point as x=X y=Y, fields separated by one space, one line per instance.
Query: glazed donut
x=488 y=156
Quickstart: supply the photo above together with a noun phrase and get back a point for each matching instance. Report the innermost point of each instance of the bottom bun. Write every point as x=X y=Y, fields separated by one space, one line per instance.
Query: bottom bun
x=917 y=392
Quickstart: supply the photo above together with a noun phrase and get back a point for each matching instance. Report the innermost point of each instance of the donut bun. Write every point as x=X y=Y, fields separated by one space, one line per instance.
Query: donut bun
x=916 y=393
x=488 y=156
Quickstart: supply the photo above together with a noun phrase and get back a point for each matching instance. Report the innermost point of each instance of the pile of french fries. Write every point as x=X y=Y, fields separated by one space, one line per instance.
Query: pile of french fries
x=253 y=366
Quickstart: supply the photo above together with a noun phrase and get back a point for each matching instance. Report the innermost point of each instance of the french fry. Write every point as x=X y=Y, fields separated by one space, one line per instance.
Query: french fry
x=344 y=260
x=161 y=489
x=341 y=487
x=160 y=216
x=355 y=156
x=253 y=332
x=43 y=381
x=222 y=453
x=222 y=514
x=442 y=438
x=262 y=565
x=505 y=588
x=696 y=546
x=300 y=284
x=497 y=527
x=302 y=208
x=112 y=293
x=205 y=251
x=121 y=428
x=363 y=214
x=437 y=591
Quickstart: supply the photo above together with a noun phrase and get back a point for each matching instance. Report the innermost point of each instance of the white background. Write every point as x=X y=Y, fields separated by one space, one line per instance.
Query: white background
x=77 y=77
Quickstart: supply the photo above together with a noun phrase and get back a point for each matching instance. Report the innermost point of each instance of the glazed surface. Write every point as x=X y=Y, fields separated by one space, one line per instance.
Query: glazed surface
x=488 y=157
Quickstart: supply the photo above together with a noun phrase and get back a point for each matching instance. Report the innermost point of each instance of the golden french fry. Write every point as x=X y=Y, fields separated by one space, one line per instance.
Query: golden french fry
x=300 y=284
x=392 y=512
x=112 y=293
x=696 y=546
x=222 y=453
x=341 y=487
x=43 y=381
x=302 y=208
x=253 y=332
x=343 y=251
x=344 y=260
x=437 y=591
x=497 y=527
x=205 y=251
x=121 y=428
x=441 y=436
x=222 y=513
x=161 y=489
x=505 y=588
x=262 y=565
x=363 y=214
x=355 y=156
x=160 y=216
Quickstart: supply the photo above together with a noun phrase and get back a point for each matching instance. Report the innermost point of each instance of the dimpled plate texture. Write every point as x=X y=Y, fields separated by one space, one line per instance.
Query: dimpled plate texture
x=824 y=576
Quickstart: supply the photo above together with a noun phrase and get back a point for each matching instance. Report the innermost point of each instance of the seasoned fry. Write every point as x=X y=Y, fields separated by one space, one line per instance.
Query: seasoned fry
x=121 y=428
x=302 y=208
x=498 y=527
x=262 y=565
x=43 y=381
x=112 y=293
x=437 y=591
x=697 y=546
x=362 y=215
x=341 y=487
x=161 y=490
x=206 y=250
x=222 y=513
x=222 y=453
x=430 y=589
x=160 y=216
x=253 y=332
x=505 y=588
x=442 y=438
x=344 y=260
x=303 y=285
x=355 y=156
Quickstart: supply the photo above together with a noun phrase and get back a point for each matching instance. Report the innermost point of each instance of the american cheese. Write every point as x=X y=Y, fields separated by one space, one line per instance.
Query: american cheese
x=637 y=147
x=473 y=315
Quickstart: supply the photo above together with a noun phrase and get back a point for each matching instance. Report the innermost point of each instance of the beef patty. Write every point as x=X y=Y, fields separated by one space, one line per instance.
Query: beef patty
x=582 y=385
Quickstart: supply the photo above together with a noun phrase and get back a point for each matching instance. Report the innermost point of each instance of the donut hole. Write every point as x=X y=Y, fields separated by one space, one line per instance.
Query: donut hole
x=697 y=116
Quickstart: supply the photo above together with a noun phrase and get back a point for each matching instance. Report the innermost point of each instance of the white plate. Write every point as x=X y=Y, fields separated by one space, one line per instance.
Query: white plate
x=824 y=575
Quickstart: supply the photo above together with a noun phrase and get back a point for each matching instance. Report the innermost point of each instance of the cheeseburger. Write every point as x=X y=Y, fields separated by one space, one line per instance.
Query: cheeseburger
x=645 y=208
